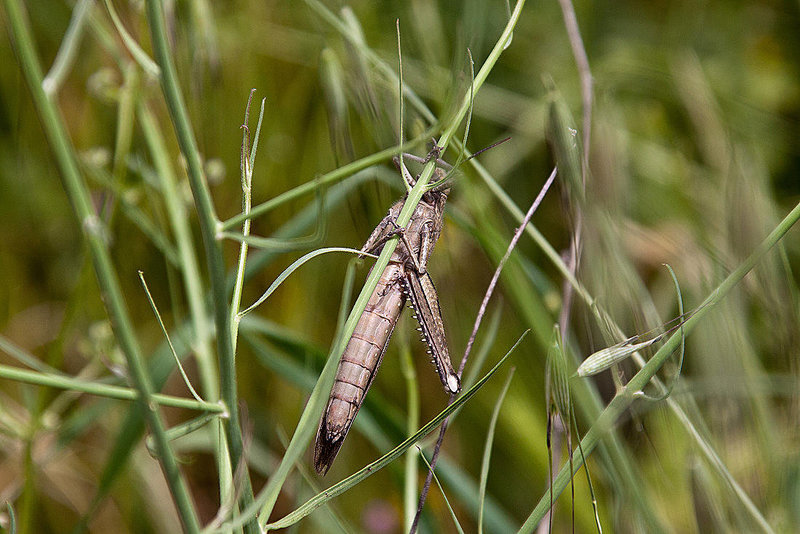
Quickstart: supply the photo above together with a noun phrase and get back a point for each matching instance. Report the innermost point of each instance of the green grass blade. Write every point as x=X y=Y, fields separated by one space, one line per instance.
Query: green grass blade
x=12 y=519
x=324 y=180
x=68 y=49
x=487 y=448
x=622 y=401
x=453 y=516
x=136 y=51
x=104 y=390
x=293 y=267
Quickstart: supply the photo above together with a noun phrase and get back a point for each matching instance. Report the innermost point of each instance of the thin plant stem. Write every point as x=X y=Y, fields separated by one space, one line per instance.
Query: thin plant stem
x=192 y=283
x=293 y=267
x=402 y=104
x=169 y=341
x=331 y=177
x=209 y=225
x=487 y=449
x=456 y=522
x=104 y=390
x=412 y=423
x=136 y=51
x=68 y=49
x=246 y=170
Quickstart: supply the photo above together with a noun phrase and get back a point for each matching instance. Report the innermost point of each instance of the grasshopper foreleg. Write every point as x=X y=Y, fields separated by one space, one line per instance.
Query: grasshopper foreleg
x=387 y=229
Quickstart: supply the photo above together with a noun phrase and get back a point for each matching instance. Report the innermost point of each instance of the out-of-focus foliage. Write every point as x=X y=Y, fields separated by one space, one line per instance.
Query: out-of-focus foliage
x=694 y=158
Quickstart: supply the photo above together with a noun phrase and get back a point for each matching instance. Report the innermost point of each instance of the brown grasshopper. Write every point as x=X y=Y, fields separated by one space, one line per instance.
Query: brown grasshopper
x=406 y=276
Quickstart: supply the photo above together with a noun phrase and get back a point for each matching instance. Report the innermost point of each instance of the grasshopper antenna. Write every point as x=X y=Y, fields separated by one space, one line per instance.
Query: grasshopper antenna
x=446 y=166
x=481 y=151
x=447 y=177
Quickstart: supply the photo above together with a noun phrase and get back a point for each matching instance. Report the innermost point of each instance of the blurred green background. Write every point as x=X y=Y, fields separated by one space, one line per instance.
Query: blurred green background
x=694 y=159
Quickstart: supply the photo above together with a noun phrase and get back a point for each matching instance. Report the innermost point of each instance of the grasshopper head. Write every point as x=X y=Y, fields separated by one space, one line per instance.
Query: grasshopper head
x=440 y=188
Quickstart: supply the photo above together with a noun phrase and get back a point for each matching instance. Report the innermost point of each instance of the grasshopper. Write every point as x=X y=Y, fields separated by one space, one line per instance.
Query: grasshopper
x=405 y=277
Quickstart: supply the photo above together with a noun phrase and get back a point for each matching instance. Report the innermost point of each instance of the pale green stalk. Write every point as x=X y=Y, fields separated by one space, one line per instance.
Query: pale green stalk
x=136 y=51
x=412 y=423
x=247 y=162
x=68 y=49
x=193 y=286
x=103 y=390
x=209 y=226
x=247 y=200
x=487 y=448
x=178 y=363
x=324 y=180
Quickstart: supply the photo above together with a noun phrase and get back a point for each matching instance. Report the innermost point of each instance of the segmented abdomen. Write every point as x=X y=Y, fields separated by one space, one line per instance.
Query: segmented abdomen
x=359 y=363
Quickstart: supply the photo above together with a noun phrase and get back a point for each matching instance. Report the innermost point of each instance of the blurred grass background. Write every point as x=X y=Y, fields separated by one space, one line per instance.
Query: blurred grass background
x=694 y=159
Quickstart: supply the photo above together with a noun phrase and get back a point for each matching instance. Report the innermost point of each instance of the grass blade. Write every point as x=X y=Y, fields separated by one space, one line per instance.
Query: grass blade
x=487 y=449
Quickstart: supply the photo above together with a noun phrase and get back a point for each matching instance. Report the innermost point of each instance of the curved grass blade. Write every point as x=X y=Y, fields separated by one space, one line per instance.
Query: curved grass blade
x=446 y=500
x=136 y=51
x=25 y=358
x=65 y=58
x=12 y=519
x=307 y=423
x=183 y=429
x=333 y=176
x=299 y=223
x=292 y=268
x=169 y=341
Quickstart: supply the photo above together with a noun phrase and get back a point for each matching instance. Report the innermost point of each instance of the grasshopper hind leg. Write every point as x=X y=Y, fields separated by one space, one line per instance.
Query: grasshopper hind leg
x=425 y=303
